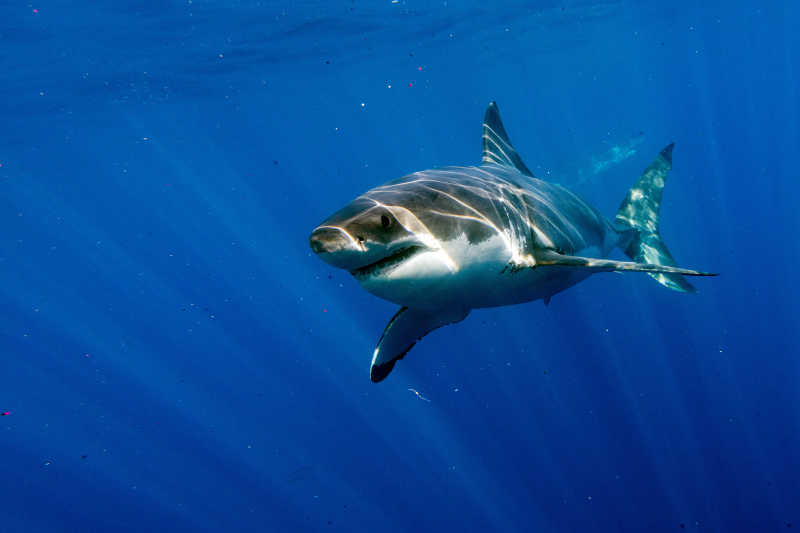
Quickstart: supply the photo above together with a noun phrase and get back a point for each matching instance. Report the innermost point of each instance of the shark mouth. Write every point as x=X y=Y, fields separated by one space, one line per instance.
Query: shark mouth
x=386 y=264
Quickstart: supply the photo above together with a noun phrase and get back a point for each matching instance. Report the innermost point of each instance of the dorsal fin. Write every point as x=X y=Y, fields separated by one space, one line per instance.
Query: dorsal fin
x=497 y=146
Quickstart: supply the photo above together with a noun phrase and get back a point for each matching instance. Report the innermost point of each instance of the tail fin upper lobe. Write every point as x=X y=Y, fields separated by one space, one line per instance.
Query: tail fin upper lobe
x=638 y=219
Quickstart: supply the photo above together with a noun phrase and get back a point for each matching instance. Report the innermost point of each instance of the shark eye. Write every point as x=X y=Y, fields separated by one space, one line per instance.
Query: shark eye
x=385 y=221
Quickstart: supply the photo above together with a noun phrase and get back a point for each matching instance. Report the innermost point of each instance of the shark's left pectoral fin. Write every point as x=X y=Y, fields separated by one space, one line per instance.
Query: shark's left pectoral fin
x=405 y=328
x=553 y=258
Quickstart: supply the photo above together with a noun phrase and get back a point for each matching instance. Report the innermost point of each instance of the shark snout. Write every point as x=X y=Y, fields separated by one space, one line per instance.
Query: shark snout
x=327 y=239
x=337 y=247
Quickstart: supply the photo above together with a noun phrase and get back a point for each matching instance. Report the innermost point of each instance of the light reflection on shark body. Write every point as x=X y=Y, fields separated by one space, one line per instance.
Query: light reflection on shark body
x=482 y=223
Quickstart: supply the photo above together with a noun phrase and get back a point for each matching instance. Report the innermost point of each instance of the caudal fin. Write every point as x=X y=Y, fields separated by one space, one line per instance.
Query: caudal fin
x=638 y=219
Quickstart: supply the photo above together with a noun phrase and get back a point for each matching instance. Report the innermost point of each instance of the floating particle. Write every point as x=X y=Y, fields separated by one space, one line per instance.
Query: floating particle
x=35 y=10
x=420 y=396
x=5 y=413
x=409 y=84
x=47 y=462
x=84 y=456
x=363 y=104
x=324 y=310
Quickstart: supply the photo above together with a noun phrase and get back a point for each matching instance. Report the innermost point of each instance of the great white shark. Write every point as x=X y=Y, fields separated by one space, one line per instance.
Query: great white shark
x=444 y=241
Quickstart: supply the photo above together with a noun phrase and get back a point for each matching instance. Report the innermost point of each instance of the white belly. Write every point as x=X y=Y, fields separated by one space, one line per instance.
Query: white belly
x=471 y=276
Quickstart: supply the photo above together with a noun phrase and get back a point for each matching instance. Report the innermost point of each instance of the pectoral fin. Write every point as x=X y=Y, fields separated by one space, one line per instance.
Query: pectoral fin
x=553 y=258
x=405 y=328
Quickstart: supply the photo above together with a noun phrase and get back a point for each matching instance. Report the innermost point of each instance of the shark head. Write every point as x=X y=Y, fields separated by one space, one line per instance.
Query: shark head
x=362 y=236
x=385 y=247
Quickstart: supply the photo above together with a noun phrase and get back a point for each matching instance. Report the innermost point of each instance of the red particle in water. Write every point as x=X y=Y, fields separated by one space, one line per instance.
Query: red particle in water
x=324 y=310
x=5 y=413
x=409 y=84
x=35 y=10
x=419 y=68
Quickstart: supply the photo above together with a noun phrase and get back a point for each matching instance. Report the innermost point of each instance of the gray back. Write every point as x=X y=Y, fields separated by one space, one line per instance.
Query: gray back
x=479 y=202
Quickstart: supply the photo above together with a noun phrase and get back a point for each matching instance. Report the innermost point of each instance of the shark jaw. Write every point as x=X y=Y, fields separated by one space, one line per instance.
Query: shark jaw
x=385 y=266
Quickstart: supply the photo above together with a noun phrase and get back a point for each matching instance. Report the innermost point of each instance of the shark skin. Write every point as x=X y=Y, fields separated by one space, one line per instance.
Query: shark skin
x=444 y=241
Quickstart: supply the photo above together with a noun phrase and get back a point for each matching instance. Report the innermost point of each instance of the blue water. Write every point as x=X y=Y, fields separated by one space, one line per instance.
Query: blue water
x=174 y=357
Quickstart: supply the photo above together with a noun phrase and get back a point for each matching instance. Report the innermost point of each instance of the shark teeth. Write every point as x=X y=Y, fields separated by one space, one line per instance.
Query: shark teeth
x=378 y=267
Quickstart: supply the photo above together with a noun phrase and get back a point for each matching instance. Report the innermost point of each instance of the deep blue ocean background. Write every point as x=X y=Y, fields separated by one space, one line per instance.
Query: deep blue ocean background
x=175 y=358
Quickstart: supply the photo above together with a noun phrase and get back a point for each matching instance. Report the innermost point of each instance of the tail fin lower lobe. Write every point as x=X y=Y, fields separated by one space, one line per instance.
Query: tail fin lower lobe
x=638 y=219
